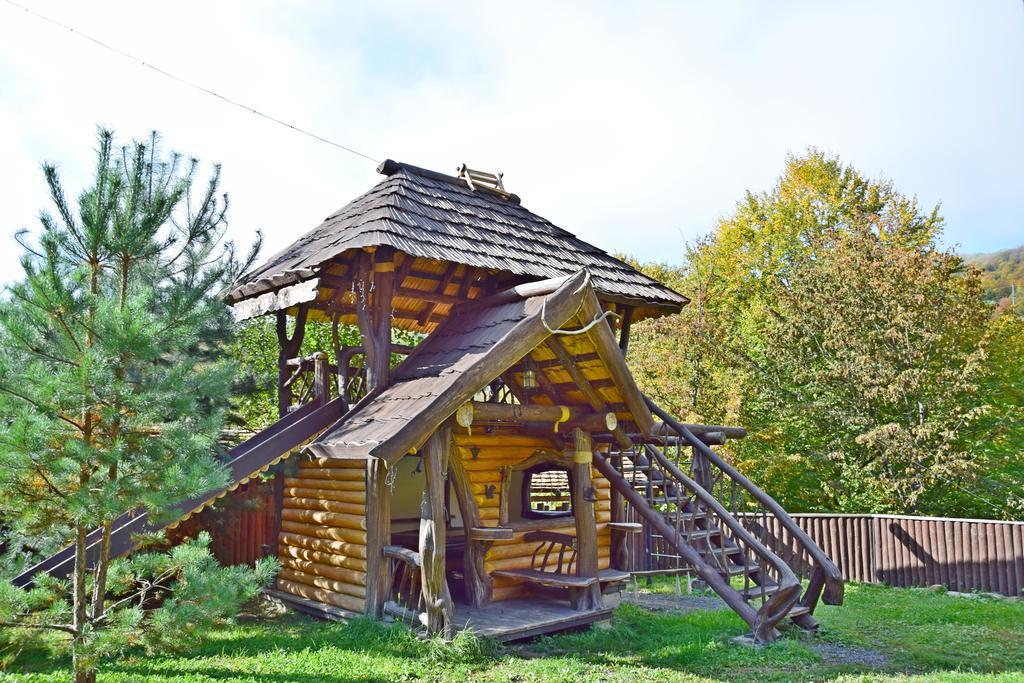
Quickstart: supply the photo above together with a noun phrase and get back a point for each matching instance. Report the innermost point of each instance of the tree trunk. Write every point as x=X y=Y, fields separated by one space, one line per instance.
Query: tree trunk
x=80 y=606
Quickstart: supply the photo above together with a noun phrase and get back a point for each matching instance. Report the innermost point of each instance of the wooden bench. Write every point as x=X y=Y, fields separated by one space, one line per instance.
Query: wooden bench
x=552 y=565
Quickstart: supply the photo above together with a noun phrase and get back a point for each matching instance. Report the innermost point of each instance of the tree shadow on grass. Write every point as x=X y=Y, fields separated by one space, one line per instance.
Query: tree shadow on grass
x=177 y=673
x=250 y=640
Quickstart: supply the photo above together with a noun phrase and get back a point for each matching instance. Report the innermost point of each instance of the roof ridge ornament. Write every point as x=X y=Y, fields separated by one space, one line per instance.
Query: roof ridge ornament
x=473 y=177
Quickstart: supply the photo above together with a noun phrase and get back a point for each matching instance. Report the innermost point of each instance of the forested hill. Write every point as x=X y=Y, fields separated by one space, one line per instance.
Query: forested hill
x=1001 y=270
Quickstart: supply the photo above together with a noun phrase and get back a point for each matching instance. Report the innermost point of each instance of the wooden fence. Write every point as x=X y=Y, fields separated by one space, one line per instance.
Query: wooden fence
x=962 y=554
x=902 y=551
x=241 y=524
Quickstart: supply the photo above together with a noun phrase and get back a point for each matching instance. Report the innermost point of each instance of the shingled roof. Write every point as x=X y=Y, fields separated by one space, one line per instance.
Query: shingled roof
x=435 y=216
x=463 y=356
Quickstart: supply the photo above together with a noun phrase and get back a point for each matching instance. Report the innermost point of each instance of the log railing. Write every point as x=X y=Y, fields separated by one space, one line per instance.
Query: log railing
x=308 y=378
x=405 y=601
x=758 y=512
x=351 y=373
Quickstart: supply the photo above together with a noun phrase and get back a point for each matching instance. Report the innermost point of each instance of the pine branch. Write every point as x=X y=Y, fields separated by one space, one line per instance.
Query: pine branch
x=66 y=628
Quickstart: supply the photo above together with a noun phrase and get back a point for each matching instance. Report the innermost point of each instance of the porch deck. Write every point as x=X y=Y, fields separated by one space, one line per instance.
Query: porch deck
x=524 y=618
x=505 y=621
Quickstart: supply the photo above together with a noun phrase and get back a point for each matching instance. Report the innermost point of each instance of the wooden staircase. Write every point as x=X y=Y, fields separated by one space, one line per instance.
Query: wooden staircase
x=723 y=527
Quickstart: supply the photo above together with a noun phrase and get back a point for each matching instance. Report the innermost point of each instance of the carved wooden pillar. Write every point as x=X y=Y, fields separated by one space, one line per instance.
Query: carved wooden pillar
x=288 y=348
x=437 y=599
x=374 y=276
x=583 y=497
x=375 y=288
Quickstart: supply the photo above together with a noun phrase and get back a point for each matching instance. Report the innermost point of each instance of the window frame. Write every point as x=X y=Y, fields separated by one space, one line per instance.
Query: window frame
x=526 y=510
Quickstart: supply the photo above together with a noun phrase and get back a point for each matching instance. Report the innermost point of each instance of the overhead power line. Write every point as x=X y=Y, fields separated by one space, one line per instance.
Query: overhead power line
x=190 y=84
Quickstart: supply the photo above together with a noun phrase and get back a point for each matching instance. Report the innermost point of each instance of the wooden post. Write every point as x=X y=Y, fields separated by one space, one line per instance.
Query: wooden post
x=619 y=559
x=288 y=348
x=437 y=599
x=321 y=378
x=278 y=506
x=627 y=324
x=583 y=495
x=376 y=282
x=479 y=587
x=378 y=535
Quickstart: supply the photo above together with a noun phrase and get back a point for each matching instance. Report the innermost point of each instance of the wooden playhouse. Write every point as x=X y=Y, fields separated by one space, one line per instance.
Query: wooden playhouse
x=506 y=474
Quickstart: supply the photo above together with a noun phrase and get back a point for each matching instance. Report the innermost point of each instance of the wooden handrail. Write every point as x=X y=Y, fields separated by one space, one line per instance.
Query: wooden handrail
x=833 y=578
x=779 y=603
x=689 y=554
x=397 y=552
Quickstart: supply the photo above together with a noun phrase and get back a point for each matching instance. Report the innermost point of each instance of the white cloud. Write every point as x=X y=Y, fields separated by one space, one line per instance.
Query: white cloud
x=632 y=125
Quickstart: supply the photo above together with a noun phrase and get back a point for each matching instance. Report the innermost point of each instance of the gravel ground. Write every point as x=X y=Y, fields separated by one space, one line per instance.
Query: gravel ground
x=665 y=602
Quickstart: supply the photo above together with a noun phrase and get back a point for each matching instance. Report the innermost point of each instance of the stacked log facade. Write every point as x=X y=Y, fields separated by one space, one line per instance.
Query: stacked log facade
x=323 y=542
x=484 y=471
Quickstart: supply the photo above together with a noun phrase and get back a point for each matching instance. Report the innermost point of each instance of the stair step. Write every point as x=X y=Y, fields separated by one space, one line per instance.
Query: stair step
x=798 y=610
x=755 y=592
x=700 y=534
x=721 y=552
x=738 y=569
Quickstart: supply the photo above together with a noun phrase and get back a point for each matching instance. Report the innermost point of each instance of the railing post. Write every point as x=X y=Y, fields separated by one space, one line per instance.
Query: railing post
x=321 y=378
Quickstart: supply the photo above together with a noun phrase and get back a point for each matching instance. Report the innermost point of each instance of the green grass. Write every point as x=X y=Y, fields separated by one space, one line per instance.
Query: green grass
x=908 y=635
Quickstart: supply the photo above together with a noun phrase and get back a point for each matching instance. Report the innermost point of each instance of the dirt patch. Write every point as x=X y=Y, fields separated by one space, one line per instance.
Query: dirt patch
x=663 y=602
x=835 y=653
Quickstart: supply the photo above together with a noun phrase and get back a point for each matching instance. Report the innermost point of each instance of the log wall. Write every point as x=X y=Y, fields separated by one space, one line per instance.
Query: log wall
x=496 y=451
x=322 y=546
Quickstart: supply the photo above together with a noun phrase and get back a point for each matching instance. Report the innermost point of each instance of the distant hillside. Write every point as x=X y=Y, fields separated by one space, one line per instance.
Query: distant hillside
x=1002 y=270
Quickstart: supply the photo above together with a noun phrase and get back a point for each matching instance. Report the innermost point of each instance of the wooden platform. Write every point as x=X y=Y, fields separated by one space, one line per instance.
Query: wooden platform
x=504 y=621
x=525 y=618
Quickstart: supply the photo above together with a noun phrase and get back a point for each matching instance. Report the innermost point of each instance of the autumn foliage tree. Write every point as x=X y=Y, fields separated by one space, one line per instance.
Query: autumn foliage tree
x=826 y=318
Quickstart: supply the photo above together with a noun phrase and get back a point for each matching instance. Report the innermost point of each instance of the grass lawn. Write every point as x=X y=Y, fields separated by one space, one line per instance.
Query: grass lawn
x=879 y=634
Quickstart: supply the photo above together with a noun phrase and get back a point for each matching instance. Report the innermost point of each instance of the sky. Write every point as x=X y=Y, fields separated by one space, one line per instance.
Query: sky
x=635 y=125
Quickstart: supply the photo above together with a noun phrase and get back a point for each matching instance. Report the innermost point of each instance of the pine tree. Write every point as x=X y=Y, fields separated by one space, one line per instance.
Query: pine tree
x=112 y=391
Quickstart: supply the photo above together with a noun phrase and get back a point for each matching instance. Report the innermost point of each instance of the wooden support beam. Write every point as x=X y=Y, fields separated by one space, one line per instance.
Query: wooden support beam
x=379 y=374
x=601 y=337
x=602 y=423
x=480 y=411
x=378 y=525
x=583 y=497
x=543 y=380
x=479 y=588
x=375 y=279
x=288 y=348
x=627 y=323
x=580 y=359
x=442 y=289
x=467 y=282
x=594 y=398
x=438 y=605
